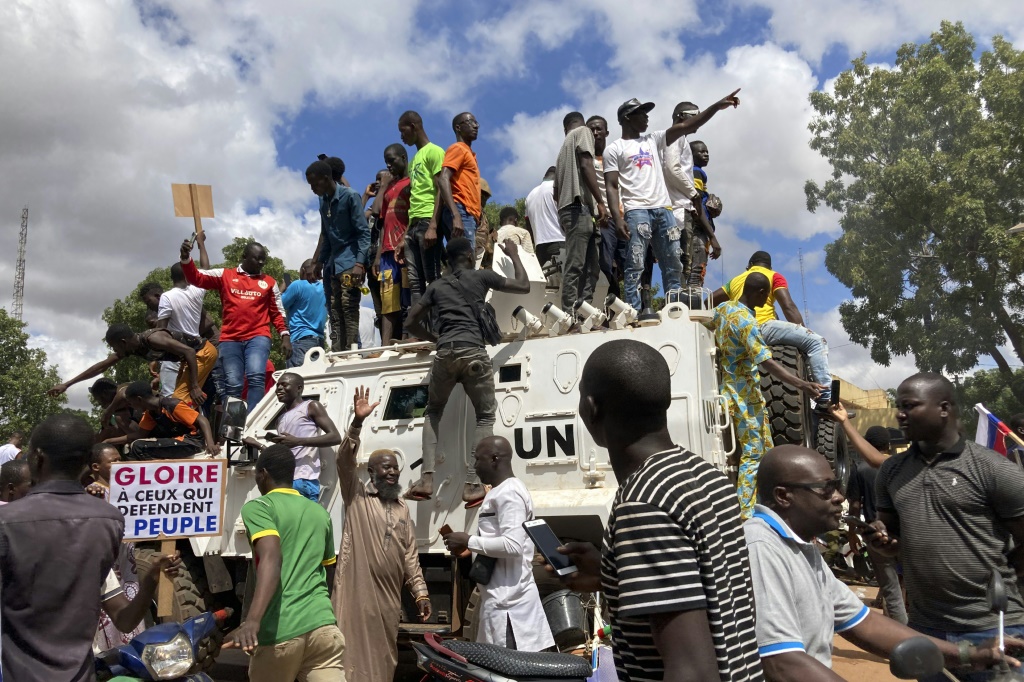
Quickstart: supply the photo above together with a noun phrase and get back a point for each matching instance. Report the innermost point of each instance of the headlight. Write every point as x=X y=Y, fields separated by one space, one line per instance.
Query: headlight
x=170 y=659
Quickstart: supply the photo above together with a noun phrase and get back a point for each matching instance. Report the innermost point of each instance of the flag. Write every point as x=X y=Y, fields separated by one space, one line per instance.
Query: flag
x=991 y=432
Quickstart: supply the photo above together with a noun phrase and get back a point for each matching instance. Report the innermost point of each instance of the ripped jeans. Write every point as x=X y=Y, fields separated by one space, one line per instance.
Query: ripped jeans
x=657 y=227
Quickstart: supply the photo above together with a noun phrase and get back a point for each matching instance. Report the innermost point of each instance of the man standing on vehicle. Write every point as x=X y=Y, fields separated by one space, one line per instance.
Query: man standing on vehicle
x=341 y=254
x=378 y=556
x=578 y=194
x=290 y=630
x=674 y=567
x=459 y=183
x=250 y=301
x=511 y=613
x=632 y=164
x=306 y=304
x=951 y=509
x=542 y=219
x=774 y=331
x=461 y=357
x=742 y=355
x=612 y=247
x=305 y=428
x=801 y=605
x=178 y=427
x=422 y=250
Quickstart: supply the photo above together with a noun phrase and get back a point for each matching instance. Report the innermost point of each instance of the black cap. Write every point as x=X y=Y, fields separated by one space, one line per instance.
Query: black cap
x=878 y=436
x=632 y=106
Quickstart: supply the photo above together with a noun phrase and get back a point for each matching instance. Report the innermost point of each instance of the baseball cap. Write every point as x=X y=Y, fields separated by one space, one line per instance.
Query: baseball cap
x=485 y=188
x=632 y=106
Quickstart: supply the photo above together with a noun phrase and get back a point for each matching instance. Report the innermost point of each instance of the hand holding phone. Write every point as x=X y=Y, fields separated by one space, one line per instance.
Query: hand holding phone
x=547 y=544
x=192 y=240
x=860 y=526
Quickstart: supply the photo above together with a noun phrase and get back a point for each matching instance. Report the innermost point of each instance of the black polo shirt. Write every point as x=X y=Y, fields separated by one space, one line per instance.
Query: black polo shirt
x=951 y=538
x=57 y=545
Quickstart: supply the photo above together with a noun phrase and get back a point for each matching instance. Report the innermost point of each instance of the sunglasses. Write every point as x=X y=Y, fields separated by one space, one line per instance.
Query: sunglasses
x=824 y=489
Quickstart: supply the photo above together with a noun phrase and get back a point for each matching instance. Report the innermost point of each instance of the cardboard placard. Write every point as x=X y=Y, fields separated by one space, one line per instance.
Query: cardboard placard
x=186 y=203
x=169 y=499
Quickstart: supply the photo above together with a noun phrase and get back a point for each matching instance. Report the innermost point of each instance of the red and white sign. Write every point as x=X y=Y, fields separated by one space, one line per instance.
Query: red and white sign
x=169 y=499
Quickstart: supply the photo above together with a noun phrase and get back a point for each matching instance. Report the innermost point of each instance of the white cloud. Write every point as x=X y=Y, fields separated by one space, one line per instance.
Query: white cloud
x=852 y=361
x=871 y=25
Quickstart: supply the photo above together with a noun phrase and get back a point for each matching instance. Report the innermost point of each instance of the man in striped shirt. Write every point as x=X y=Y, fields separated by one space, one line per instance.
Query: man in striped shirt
x=674 y=566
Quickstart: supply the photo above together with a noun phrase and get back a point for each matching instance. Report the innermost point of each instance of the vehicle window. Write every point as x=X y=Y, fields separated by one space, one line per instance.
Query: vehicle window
x=510 y=374
x=406 y=402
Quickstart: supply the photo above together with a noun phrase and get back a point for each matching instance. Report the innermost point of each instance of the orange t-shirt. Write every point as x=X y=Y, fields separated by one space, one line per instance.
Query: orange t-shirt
x=181 y=414
x=465 y=177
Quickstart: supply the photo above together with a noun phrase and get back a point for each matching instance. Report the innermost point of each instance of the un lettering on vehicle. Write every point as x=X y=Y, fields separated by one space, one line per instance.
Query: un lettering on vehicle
x=553 y=439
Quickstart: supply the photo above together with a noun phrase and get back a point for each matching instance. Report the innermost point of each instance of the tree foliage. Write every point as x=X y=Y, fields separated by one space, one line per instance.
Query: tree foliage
x=988 y=387
x=132 y=311
x=927 y=175
x=24 y=379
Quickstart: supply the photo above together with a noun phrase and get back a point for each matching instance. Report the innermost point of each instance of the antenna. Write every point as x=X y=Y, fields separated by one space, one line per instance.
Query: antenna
x=803 y=287
x=19 y=272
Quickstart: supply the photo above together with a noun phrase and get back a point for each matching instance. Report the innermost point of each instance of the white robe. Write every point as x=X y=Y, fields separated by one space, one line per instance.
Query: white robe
x=511 y=593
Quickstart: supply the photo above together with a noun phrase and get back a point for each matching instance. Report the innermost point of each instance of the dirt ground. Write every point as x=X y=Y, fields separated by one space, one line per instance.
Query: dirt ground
x=855 y=665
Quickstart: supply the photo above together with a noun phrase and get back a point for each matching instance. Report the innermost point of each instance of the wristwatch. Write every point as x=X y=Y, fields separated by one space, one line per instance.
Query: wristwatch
x=965 y=652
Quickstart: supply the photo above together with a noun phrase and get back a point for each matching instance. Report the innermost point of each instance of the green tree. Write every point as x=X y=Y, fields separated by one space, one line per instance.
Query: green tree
x=131 y=310
x=989 y=387
x=24 y=379
x=927 y=177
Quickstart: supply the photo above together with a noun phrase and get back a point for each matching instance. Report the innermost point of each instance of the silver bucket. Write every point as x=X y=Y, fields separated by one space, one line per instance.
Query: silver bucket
x=567 y=618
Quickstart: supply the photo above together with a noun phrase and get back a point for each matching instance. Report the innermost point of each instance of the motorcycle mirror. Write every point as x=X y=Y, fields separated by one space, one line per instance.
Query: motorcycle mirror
x=915 y=658
x=233 y=421
x=997 y=593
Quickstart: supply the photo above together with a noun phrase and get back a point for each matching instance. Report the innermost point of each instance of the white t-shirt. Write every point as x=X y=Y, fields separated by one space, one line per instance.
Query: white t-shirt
x=638 y=162
x=182 y=308
x=369 y=337
x=678 y=162
x=517 y=234
x=543 y=214
x=8 y=452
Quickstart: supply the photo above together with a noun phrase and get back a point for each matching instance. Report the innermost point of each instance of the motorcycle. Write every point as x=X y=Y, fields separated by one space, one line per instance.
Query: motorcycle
x=162 y=652
x=456 y=661
x=919 y=658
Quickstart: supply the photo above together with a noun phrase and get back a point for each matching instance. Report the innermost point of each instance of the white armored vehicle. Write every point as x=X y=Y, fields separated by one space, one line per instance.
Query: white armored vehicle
x=537 y=370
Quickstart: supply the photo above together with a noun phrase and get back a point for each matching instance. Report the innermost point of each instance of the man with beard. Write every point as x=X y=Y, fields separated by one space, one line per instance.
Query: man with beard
x=378 y=556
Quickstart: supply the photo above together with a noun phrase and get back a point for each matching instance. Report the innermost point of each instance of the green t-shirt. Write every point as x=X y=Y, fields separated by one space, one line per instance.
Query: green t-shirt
x=301 y=603
x=425 y=165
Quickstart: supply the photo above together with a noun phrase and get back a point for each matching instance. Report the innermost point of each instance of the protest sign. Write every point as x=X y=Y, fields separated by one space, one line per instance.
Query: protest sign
x=163 y=500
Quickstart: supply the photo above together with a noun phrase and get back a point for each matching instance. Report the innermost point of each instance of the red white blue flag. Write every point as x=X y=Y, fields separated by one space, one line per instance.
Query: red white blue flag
x=992 y=431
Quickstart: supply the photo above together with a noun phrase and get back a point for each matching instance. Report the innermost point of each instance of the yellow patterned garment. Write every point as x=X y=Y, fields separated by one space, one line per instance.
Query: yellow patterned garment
x=740 y=350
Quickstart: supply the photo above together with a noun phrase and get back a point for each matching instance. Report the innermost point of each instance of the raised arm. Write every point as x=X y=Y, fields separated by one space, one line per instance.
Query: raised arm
x=193 y=276
x=868 y=451
x=693 y=124
x=362 y=409
x=204 y=257
x=94 y=371
x=520 y=283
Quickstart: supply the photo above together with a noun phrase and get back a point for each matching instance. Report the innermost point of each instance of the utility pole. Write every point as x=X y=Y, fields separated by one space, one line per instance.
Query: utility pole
x=19 y=272
x=803 y=287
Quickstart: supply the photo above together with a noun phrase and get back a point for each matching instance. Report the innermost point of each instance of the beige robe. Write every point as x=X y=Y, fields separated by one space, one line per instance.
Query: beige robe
x=377 y=557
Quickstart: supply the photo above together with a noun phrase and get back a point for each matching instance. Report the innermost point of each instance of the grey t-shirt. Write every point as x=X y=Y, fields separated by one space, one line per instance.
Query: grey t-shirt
x=568 y=175
x=800 y=603
x=951 y=537
x=455 y=318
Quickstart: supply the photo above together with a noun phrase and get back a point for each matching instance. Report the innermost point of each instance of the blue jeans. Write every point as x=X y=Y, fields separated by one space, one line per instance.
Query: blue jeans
x=468 y=224
x=973 y=638
x=300 y=346
x=655 y=227
x=814 y=347
x=308 y=489
x=246 y=360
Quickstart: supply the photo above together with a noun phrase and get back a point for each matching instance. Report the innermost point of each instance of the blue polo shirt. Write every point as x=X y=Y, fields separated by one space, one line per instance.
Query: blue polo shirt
x=799 y=602
x=345 y=231
x=306 y=307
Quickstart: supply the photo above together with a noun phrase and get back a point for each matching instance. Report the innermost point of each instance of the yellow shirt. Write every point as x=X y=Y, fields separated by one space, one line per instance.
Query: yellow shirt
x=766 y=313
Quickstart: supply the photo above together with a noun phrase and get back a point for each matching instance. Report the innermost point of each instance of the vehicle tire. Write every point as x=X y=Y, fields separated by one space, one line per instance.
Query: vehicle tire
x=788 y=409
x=192 y=597
x=830 y=440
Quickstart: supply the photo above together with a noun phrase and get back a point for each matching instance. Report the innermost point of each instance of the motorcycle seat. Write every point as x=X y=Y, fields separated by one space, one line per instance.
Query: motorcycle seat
x=520 y=664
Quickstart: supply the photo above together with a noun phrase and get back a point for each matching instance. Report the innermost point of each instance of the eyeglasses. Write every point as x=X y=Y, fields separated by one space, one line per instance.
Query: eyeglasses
x=824 y=489
x=683 y=115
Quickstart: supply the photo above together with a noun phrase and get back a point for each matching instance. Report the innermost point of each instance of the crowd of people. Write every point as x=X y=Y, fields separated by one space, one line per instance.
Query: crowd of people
x=704 y=578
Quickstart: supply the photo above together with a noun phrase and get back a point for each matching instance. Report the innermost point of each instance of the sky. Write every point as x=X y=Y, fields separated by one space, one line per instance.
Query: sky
x=108 y=103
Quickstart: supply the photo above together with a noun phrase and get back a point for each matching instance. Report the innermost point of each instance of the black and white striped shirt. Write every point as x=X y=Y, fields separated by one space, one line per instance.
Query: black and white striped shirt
x=674 y=542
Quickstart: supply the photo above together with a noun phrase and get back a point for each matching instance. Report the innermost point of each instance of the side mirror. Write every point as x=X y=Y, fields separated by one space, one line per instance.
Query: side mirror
x=997 y=593
x=233 y=422
x=916 y=658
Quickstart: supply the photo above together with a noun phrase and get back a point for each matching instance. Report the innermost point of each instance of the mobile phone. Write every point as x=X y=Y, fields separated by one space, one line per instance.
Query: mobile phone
x=269 y=434
x=860 y=526
x=192 y=240
x=835 y=391
x=445 y=529
x=287 y=278
x=547 y=544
